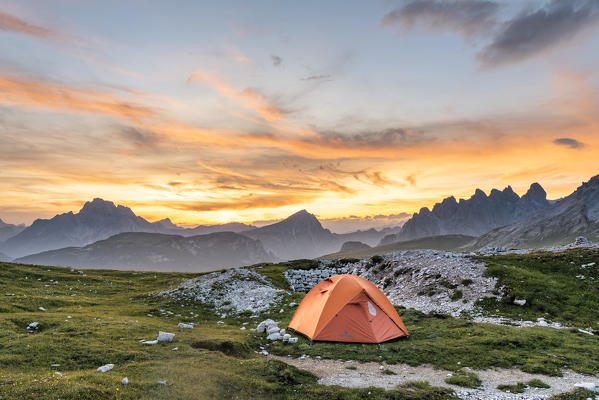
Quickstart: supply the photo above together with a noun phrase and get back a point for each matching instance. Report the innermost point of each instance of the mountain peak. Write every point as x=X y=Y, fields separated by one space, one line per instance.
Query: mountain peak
x=535 y=192
x=479 y=194
x=97 y=204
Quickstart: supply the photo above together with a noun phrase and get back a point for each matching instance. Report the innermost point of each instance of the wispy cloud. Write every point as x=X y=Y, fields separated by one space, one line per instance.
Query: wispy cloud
x=11 y=23
x=40 y=93
x=467 y=17
x=569 y=142
x=248 y=98
x=535 y=31
x=325 y=77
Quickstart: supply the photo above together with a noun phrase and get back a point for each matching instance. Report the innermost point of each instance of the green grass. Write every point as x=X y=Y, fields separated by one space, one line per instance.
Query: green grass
x=549 y=283
x=464 y=379
x=452 y=343
x=109 y=315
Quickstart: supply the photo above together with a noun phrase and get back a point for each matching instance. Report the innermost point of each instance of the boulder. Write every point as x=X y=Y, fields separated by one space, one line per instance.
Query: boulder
x=181 y=325
x=592 y=387
x=105 y=368
x=273 y=329
x=165 y=336
x=274 y=336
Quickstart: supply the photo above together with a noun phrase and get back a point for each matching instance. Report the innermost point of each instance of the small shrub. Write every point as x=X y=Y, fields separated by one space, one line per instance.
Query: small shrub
x=467 y=282
x=352 y=367
x=388 y=372
x=519 y=387
x=537 y=383
x=457 y=294
x=464 y=379
x=447 y=284
x=376 y=259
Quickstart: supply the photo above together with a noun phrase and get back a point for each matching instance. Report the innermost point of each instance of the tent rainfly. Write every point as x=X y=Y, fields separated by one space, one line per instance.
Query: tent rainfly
x=347 y=308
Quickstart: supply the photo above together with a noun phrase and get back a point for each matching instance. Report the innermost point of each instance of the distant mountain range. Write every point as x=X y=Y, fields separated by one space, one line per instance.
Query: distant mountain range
x=159 y=252
x=299 y=236
x=103 y=235
x=560 y=223
x=9 y=230
x=474 y=216
x=97 y=220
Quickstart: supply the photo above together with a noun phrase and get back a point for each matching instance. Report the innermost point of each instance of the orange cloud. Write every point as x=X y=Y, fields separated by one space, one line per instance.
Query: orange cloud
x=249 y=98
x=56 y=96
x=14 y=24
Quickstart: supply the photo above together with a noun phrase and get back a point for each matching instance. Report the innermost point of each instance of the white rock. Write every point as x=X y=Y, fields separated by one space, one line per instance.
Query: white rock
x=165 y=336
x=273 y=336
x=292 y=304
x=58 y=373
x=33 y=325
x=273 y=329
x=149 y=342
x=41 y=308
x=292 y=340
x=281 y=311
x=586 y=386
x=242 y=328
x=381 y=368
x=585 y=331
x=520 y=302
x=175 y=349
x=282 y=331
x=125 y=381
x=185 y=326
x=105 y=368
x=286 y=337
x=161 y=382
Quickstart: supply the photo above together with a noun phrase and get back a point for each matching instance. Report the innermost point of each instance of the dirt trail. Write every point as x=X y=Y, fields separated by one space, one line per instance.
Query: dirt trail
x=335 y=372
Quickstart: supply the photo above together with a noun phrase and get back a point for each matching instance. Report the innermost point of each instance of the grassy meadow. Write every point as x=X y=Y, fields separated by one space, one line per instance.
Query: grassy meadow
x=95 y=317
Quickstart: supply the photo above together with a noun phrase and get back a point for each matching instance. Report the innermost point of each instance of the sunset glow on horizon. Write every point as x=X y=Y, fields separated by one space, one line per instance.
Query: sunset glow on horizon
x=206 y=113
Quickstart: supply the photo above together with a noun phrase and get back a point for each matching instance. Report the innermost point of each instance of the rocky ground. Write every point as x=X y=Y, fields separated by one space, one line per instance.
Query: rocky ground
x=234 y=290
x=334 y=372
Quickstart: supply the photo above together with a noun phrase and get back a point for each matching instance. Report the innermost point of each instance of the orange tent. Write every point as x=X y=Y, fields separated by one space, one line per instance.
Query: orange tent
x=347 y=308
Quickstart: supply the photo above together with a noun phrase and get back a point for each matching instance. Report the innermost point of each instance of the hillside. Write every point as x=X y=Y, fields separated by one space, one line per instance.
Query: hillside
x=159 y=252
x=98 y=317
x=445 y=242
x=9 y=230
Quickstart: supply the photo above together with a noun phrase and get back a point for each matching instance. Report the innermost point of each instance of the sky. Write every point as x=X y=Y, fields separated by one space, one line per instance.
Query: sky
x=359 y=112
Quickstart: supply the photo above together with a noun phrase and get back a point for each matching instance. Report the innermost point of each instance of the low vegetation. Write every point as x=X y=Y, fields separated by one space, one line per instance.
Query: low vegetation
x=519 y=387
x=555 y=286
x=464 y=379
x=452 y=343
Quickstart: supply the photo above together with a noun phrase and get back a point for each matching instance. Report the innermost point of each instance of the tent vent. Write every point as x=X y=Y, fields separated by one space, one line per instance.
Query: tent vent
x=371 y=309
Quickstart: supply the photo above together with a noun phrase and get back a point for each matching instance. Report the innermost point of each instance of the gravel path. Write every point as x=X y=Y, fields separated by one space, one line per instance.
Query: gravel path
x=335 y=372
